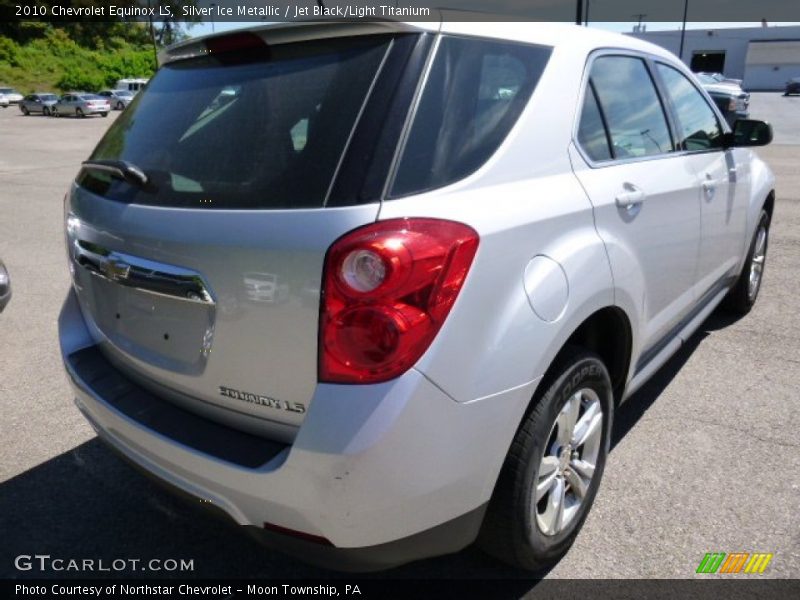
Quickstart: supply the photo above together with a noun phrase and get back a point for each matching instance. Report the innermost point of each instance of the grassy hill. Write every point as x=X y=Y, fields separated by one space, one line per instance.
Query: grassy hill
x=55 y=62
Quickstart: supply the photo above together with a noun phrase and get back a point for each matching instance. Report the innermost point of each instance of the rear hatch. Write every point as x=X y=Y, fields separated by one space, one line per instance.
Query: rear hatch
x=198 y=229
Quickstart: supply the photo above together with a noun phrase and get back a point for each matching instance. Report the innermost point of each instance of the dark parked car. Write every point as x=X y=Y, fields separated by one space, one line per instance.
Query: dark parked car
x=5 y=286
x=38 y=103
x=792 y=86
x=732 y=100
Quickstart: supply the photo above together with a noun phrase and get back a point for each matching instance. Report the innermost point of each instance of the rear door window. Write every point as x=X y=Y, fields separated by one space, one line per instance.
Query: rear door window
x=256 y=129
x=627 y=97
x=474 y=94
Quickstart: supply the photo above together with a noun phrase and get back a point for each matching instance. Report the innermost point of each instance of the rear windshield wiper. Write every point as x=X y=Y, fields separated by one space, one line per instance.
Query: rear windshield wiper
x=120 y=169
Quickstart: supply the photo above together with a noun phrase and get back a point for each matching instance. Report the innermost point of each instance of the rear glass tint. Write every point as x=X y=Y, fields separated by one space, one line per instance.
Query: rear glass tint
x=474 y=94
x=261 y=129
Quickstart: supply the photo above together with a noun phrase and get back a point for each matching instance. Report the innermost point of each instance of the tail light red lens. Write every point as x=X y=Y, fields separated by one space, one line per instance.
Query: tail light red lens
x=387 y=289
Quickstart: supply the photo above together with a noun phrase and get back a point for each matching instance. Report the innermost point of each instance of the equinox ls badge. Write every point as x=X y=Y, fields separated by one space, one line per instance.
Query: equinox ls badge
x=294 y=407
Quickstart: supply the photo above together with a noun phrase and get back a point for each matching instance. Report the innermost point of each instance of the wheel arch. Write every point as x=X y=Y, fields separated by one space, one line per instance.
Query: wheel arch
x=608 y=333
x=769 y=203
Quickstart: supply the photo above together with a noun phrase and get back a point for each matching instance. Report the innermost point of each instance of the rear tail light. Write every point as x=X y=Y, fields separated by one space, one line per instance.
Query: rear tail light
x=387 y=289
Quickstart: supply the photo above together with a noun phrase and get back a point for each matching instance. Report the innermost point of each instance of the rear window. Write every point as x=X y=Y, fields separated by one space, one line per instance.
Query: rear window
x=474 y=94
x=258 y=129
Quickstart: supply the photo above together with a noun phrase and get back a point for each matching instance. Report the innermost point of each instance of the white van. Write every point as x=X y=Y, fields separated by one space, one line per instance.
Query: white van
x=132 y=85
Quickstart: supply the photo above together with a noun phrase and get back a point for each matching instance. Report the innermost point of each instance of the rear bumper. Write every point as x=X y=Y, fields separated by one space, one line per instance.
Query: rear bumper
x=378 y=475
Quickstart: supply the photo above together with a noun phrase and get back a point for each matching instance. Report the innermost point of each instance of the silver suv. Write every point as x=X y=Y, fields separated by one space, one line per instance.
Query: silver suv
x=376 y=290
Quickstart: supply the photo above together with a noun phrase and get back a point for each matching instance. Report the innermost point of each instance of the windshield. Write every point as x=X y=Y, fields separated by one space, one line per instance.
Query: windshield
x=243 y=130
x=48 y=97
x=7 y=91
x=123 y=93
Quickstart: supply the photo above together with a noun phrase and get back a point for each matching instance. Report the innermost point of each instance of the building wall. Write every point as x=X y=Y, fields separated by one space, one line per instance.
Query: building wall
x=736 y=42
x=771 y=62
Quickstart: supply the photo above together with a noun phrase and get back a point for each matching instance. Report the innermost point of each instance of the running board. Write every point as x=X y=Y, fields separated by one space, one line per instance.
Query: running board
x=655 y=363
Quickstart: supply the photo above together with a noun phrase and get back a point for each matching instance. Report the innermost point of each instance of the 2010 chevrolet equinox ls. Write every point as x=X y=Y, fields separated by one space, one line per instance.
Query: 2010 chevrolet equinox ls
x=375 y=290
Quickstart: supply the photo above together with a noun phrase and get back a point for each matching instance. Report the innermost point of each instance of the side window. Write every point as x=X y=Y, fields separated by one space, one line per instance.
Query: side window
x=698 y=127
x=627 y=96
x=474 y=95
x=592 y=134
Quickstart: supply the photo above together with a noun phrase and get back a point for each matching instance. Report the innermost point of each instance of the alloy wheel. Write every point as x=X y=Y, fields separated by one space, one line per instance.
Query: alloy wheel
x=757 y=263
x=568 y=465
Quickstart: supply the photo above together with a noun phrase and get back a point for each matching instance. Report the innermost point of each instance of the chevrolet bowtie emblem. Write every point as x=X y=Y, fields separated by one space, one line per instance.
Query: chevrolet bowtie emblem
x=114 y=269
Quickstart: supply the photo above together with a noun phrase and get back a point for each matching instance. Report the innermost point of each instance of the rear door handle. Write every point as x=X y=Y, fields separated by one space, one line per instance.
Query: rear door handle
x=631 y=199
x=709 y=187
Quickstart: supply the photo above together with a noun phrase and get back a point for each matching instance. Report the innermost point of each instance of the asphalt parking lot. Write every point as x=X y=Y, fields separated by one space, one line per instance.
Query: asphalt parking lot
x=705 y=458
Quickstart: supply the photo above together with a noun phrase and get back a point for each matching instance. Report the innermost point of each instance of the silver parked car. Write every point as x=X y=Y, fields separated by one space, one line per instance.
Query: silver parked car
x=119 y=99
x=38 y=103
x=732 y=100
x=5 y=286
x=81 y=105
x=3 y=101
x=484 y=238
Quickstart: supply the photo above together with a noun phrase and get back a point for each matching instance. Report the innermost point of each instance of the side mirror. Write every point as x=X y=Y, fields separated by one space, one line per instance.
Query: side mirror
x=751 y=132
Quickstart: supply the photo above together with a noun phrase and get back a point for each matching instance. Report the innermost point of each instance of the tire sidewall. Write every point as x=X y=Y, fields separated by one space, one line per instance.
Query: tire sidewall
x=763 y=221
x=589 y=372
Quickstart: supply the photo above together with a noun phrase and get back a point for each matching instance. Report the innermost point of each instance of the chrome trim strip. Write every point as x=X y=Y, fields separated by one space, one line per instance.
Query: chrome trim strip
x=144 y=275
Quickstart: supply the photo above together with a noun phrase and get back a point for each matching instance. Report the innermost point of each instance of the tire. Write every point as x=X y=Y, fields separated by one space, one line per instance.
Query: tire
x=79 y=113
x=55 y=113
x=46 y=112
x=25 y=111
x=120 y=106
x=517 y=528
x=105 y=114
x=743 y=294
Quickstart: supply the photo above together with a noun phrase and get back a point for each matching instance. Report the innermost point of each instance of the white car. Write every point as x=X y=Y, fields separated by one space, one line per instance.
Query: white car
x=12 y=95
x=489 y=236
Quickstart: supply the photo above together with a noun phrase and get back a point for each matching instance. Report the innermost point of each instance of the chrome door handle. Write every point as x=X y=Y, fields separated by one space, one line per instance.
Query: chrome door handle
x=709 y=187
x=631 y=199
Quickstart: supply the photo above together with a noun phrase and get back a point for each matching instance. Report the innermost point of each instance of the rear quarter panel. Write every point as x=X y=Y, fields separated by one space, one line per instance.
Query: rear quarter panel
x=524 y=202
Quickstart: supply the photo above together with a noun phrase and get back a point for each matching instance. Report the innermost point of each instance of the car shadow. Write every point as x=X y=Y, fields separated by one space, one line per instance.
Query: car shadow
x=637 y=405
x=89 y=504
